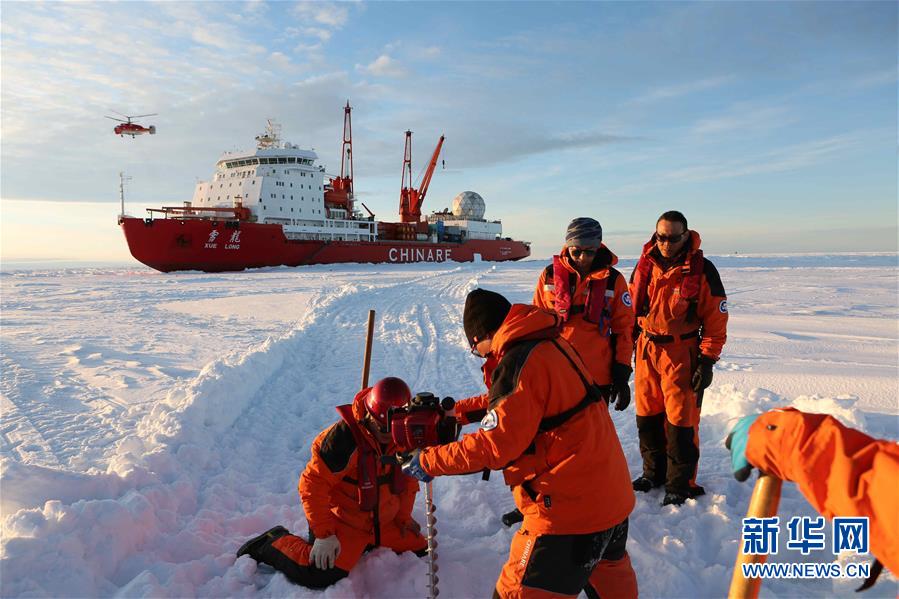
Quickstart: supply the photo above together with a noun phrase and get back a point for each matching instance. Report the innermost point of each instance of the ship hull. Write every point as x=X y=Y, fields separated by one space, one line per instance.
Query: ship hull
x=219 y=246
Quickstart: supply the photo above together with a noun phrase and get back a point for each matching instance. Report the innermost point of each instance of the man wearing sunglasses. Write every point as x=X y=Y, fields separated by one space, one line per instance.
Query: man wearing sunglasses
x=592 y=299
x=681 y=311
x=352 y=501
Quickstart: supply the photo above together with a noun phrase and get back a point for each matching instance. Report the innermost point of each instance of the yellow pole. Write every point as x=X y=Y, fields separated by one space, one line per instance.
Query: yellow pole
x=368 y=339
x=763 y=504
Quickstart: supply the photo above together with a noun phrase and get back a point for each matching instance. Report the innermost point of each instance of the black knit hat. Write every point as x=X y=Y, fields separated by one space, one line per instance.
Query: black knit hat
x=584 y=232
x=484 y=312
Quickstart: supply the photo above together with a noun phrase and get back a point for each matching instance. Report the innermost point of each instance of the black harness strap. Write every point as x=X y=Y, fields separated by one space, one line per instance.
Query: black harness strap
x=593 y=395
x=384 y=479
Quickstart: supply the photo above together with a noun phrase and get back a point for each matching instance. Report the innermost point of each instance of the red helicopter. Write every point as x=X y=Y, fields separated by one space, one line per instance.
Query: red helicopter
x=130 y=128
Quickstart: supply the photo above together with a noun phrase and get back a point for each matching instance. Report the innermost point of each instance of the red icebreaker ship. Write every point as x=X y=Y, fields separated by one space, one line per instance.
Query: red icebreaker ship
x=275 y=206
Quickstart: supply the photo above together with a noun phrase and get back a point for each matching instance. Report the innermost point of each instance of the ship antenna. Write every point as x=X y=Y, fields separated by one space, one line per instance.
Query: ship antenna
x=122 y=179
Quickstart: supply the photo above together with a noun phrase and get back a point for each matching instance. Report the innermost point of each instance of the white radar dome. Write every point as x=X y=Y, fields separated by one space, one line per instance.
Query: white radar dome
x=468 y=205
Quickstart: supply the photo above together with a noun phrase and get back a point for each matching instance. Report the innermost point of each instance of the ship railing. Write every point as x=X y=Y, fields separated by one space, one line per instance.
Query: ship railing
x=197 y=212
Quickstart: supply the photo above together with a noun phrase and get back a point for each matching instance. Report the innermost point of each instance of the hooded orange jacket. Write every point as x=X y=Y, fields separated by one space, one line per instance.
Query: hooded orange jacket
x=328 y=487
x=668 y=313
x=568 y=480
x=595 y=349
x=841 y=471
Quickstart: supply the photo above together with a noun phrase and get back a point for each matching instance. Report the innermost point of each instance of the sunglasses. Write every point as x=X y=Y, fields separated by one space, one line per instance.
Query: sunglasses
x=670 y=238
x=576 y=252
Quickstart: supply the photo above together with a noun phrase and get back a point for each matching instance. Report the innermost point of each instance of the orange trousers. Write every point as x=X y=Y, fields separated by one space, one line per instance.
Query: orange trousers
x=663 y=385
x=353 y=543
x=541 y=567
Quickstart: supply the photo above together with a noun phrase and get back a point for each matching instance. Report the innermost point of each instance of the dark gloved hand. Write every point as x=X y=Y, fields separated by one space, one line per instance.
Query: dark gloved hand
x=736 y=442
x=513 y=517
x=411 y=465
x=621 y=391
x=702 y=376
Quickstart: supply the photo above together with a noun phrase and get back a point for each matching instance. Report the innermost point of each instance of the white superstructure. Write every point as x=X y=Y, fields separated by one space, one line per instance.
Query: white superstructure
x=466 y=220
x=281 y=184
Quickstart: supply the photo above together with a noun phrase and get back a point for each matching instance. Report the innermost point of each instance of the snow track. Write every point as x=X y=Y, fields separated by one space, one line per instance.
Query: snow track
x=150 y=431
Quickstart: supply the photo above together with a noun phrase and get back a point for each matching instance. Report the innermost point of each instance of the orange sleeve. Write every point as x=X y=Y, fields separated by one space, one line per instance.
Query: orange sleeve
x=841 y=471
x=623 y=322
x=543 y=298
x=316 y=484
x=712 y=312
x=472 y=409
x=517 y=417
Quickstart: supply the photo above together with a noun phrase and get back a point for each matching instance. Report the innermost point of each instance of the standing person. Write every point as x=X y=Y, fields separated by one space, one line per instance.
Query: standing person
x=353 y=502
x=591 y=297
x=681 y=311
x=549 y=431
x=841 y=471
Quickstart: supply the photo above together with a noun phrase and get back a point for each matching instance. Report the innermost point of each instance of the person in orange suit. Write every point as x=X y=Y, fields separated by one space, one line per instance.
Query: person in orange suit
x=352 y=501
x=681 y=310
x=592 y=299
x=548 y=429
x=590 y=295
x=841 y=471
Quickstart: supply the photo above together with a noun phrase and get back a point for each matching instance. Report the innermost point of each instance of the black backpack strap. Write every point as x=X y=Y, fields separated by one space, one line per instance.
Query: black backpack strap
x=592 y=395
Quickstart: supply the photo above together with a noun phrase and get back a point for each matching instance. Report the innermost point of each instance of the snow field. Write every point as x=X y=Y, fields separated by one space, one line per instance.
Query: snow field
x=152 y=423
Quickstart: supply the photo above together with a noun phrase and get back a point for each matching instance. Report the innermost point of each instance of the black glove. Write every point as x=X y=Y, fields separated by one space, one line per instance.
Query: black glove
x=702 y=377
x=621 y=391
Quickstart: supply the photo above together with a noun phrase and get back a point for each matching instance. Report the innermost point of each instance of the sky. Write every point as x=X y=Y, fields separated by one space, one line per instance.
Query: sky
x=771 y=126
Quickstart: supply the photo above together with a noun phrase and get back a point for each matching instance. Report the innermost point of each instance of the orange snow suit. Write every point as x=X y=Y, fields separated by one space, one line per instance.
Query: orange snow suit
x=599 y=344
x=329 y=491
x=550 y=433
x=682 y=313
x=841 y=471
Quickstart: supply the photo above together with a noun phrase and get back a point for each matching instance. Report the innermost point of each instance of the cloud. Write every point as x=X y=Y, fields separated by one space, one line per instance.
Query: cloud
x=743 y=118
x=383 y=66
x=669 y=92
x=884 y=77
x=326 y=13
x=280 y=60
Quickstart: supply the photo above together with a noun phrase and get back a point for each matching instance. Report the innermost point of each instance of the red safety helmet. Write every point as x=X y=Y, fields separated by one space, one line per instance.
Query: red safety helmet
x=387 y=393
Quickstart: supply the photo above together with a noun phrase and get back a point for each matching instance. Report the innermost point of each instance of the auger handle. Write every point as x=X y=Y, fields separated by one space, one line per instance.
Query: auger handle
x=763 y=504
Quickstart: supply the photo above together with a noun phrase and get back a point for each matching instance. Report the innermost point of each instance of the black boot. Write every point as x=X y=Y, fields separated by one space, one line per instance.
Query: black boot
x=513 y=517
x=683 y=460
x=645 y=485
x=651 y=430
x=254 y=545
x=678 y=498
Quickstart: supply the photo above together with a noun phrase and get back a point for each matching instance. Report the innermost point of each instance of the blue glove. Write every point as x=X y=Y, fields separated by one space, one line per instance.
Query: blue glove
x=736 y=442
x=412 y=466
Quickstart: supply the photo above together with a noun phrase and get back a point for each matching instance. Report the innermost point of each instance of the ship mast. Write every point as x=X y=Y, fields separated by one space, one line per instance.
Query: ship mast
x=122 y=179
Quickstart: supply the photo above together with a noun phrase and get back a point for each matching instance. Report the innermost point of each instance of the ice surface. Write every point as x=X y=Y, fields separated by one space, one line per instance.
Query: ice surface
x=152 y=423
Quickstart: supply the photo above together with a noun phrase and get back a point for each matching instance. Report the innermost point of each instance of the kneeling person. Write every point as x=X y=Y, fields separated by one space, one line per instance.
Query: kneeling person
x=353 y=502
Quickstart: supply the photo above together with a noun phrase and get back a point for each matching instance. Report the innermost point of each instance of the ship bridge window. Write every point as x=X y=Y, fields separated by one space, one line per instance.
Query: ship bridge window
x=282 y=160
x=291 y=159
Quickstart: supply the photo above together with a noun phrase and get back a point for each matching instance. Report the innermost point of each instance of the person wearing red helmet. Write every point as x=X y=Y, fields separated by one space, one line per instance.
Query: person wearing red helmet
x=352 y=501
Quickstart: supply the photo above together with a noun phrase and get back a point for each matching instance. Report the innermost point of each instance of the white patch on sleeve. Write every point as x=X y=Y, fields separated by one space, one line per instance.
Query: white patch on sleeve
x=489 y=421
x=626 y=299
x=549 y=287
x=722 y=307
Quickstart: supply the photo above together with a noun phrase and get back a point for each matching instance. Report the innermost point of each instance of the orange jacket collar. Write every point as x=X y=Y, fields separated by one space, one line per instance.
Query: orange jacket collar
x=524 y=322
x=605 y=256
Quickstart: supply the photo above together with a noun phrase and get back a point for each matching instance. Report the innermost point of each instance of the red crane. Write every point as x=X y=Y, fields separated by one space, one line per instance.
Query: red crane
x=411 y=199
x=341 y=192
